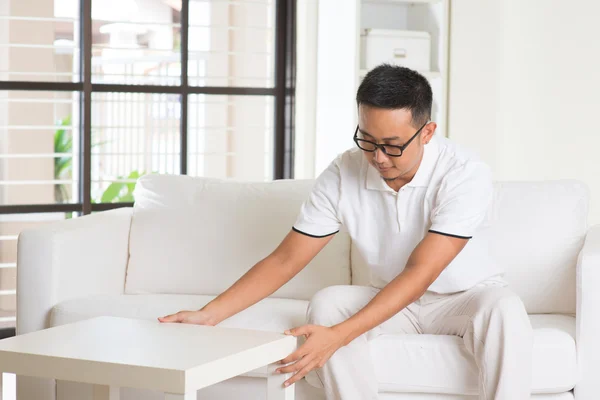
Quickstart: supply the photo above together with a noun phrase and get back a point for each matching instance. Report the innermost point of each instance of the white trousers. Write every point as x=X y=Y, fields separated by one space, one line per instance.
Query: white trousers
x=489 y=317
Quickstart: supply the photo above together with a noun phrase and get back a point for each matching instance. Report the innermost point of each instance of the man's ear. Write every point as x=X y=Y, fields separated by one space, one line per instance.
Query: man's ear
x=428 y=132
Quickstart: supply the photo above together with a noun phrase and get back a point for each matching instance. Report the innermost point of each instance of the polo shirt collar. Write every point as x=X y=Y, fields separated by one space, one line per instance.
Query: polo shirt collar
x=421 y=178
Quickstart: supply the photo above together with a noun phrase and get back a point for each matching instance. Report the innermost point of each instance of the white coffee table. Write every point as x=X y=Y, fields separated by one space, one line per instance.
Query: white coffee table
x=177 y=359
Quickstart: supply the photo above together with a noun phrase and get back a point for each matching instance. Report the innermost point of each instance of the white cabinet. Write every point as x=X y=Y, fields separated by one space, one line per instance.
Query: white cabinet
x=411 y=49
x=409 y=33
x=334 y=68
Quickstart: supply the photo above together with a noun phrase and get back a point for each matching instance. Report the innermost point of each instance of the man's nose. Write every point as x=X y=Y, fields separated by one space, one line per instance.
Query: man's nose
x=379 y=156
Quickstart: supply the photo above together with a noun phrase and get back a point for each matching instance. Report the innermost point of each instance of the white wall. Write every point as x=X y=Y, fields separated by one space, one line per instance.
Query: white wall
x=306 y=88
x=525 y=88
x=337 y=63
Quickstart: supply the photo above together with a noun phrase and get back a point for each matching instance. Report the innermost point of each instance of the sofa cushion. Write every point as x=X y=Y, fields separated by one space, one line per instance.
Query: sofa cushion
x=404 y=363
x=441 y=364
x=198 y=236
x=275 y=315
x=536 y=230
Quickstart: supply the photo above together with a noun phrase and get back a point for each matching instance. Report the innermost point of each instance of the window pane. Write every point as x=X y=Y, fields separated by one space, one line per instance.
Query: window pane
x=11 y=225
x=39 y=40
x=231 y=137
x=39 y=138
x=231 y=43
x=136 y=42
x=132 y=134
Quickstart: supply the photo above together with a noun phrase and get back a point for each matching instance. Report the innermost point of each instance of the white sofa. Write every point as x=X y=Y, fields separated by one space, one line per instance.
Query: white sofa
x=187 y=239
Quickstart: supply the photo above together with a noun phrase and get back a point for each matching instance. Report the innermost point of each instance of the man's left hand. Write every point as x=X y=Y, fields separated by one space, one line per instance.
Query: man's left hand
x=320 y=345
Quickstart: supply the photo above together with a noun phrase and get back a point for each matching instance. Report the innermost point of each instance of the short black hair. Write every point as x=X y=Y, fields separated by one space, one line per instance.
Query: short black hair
x=394 y=87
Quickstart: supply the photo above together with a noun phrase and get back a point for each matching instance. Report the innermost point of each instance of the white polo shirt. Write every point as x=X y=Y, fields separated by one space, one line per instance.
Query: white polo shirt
x=450 y=194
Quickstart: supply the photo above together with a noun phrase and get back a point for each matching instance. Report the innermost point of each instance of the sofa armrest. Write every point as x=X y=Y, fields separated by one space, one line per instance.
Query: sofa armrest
x=70 y=259
x=588 y=317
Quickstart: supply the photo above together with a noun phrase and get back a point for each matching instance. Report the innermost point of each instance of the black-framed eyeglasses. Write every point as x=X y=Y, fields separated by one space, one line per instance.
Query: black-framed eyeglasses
x=388 y=149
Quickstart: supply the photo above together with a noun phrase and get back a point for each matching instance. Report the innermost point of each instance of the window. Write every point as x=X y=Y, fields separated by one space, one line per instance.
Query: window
x=95 y=93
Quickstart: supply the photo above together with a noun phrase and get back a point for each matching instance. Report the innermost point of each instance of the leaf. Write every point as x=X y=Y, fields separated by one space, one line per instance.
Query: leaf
x=63 y=144
x=127 y=198
x=63 y=167
x=112 y=192
x=131 y=185
x=115 y=192
x=63 y=137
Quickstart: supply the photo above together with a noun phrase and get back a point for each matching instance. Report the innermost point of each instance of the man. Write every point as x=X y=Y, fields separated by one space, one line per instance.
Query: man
x=415 y=205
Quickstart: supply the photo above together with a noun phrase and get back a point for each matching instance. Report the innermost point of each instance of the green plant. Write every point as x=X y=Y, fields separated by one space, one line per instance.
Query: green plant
x=63 y=170
x=63 y=165
x=121 y=192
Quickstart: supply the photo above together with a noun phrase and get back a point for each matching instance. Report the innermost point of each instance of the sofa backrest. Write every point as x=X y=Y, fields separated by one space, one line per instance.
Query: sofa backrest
x=536 y=230
x=198 y=236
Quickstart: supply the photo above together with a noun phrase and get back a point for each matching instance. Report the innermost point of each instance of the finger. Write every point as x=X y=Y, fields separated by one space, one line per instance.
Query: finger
x=300 y=374
x=296 y=355
x=295 y=367
x=302 y=330
x=171 y=318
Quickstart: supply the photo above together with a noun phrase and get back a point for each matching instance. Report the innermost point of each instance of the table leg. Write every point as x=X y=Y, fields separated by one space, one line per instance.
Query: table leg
x=187 y=396
x=104 y=392
x=275 y=389
x=1 y=386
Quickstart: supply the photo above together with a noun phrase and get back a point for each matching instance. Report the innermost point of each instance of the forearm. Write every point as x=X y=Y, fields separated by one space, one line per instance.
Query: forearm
x=262 y=280
x=406 y=288
x=259 y=282
x=425 y=264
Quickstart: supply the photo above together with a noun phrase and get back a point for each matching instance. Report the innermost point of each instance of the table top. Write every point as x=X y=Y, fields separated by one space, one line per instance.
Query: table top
x=173 y=358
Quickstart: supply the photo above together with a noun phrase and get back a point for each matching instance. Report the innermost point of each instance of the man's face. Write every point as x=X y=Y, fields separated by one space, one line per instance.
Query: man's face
x=393 y=127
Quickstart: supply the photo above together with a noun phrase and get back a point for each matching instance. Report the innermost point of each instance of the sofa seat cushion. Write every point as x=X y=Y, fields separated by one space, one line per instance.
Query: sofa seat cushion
x=441 y=364
x=404 y=363
x=271 y=314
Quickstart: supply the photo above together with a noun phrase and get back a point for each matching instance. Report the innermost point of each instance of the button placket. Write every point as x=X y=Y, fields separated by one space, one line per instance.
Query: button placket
x=395 y=202
x=401 y=208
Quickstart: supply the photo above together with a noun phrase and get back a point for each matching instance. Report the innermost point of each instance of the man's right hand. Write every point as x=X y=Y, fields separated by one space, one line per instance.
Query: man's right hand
x=200 y=317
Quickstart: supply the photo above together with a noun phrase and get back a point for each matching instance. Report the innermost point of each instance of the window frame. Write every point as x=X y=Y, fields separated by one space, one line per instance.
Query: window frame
x=283 y=93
